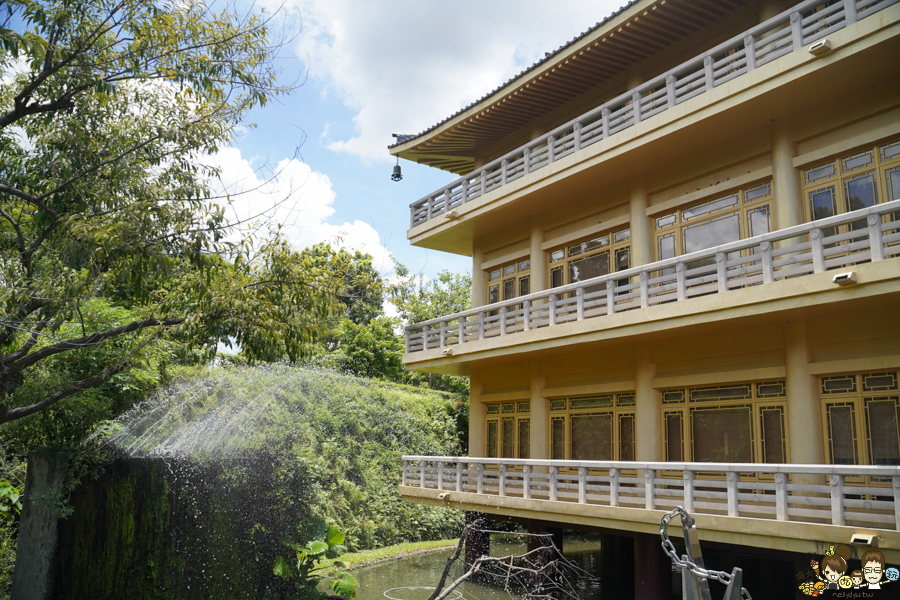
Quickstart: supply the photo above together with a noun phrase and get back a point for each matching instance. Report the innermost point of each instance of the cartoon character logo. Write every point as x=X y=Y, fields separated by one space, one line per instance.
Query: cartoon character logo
x=833 y=575
x=874 y=569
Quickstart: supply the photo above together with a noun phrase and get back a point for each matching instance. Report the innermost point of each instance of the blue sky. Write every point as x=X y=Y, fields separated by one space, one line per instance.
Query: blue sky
x=376 y=68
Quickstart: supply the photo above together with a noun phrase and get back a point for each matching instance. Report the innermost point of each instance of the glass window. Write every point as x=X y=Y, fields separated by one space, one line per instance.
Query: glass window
x=524 y=439
x=709 y=207
x=712 y=232
x=759 y=220
x=558 y=438
x=674 y=442
x=509 y=437
x=772 y=427
x=883 y=430
x=493 y=438
x=842 y=434
x=592 y=437
x=626 y=437
x=513 y=282
x=722 y=434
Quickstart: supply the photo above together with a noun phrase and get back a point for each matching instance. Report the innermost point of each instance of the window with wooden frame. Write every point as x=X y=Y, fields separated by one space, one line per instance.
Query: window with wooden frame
x=739 y=422
x=856 y=180
x=861 y=419
x=598 y=427
x=738 y=215
x=508 y=430
x=509 y=281
x=594 y=257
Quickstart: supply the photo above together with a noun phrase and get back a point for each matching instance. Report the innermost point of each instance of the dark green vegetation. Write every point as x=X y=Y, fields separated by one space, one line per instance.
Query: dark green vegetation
x=254 y=457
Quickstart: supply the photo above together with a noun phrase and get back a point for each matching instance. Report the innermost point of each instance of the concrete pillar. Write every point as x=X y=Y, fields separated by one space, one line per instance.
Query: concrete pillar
x=652 y=569
x=479 y=295
x=478 y=541
x=539 y=419
x=788 y=209
x=616 y=556
x=539 y=264
x=546 y=536
x=804 y=411
x=647 y=407
x=477 y=413
x=641 y=233
x=34 y=575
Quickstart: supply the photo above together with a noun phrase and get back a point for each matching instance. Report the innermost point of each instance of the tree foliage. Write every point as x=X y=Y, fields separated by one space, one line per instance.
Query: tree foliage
x=106 y=110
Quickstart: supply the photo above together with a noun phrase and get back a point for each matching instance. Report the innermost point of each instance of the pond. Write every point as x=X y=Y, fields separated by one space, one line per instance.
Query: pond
x=414 y=578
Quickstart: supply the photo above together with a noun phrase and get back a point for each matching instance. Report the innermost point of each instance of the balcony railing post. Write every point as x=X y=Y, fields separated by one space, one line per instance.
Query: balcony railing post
x=721 y=276
x=645 y=289
x=750 y=52
x=526 y=481
x=708 y=79
x=440 y=476
x=670 y=91
x=551 y=307
x=426 y=329
x=582 y=485
x=689 y=491
x=554 y=484
x=405 y=478
x=504 y=168
x=481 y=325
x=443 y=333
x=480 y=485
x=579 y=303
x=502 y=320
x=895 y=480
x=465 y=191
x=447 y=197
x=483 y=182
x=613 y=487
x=849 y=12
x=768 y=273
x=679 y=282
x=422 y=473
x=502 y=482
x=576 y=135
x=636 y=106
x=459 y=475
x=526 y=315
x=876 y=244
x=604 y=122
x=407 y=341
x=731 y=489
x=611 y=297
x=781 y=497
x=837 y=499
x=796 y=31
x=551 y=151
x=461 y=337
x=430 y=207
x=649 y=500
x=818 y=250
x=526 y=161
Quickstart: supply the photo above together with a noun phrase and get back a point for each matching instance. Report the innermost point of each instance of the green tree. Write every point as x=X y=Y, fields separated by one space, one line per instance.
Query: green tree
x=362 y=291
x=106 y=107
x=372 y=350
x=418 y=300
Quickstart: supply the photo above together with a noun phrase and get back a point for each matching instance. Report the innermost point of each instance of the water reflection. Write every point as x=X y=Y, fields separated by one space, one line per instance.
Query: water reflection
x=414 y=578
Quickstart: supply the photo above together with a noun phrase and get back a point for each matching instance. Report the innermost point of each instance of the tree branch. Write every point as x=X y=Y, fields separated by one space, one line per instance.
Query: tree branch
x=28 y=198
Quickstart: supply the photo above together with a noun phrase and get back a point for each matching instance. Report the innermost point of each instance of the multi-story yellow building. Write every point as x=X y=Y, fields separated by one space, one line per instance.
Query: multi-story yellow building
x=685 y=237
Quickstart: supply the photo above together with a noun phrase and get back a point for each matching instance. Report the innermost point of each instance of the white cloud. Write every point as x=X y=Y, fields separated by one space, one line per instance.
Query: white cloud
x=297 y=198
x=402 y=65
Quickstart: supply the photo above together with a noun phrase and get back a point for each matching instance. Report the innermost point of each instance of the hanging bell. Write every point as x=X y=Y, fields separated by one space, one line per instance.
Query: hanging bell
x=396 y=175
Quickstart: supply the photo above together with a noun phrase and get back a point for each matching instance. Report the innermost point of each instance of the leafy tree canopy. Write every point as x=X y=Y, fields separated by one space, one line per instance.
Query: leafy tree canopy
x=106 y=110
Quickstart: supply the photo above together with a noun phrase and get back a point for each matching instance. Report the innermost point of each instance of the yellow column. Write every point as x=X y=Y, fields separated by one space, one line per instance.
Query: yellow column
x=477 y=414
x=539 y=417
x=641 y=235
x=804 y=409
x=538 y=260
x=788 y=210
x=647 y=407
x=479 y=297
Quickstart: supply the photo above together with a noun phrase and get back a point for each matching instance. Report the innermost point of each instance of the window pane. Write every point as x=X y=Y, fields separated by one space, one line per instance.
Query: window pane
x=714 y=232
x=495 y=274
x=588 y=268
x=673 y=438
x=821 y=203
x=509 y=437
x=722 y=435
x=588 y=245
x=772 y=435
x=494 y=294
x=509 y=289
x=557 y=255
x=709 y=207
x=823 y=172
x=760 y=191
x=509 y=270
x=860 y=192
x=524 y=286
x=842 y=434
x=492 y=439
x=858 y=161
x=626 y=437
x=622 y=261
x=883 y=430
x=556 y=277
x=592 y=437
x=759 y=221
x=525 y=265
x=621 y=236
x=665 y=221
x=558 y=439
x=524 y=438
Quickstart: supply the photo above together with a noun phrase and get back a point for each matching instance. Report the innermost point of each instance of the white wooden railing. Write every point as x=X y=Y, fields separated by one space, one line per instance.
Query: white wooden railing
x=871 y=234
x=790 y=31
x=864 y=496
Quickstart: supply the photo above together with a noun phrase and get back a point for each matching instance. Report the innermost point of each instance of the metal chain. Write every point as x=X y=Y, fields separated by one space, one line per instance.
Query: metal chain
x=669 y=548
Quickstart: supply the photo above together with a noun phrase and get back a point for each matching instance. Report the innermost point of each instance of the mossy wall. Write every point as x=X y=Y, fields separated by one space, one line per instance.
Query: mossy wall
x=161 y=528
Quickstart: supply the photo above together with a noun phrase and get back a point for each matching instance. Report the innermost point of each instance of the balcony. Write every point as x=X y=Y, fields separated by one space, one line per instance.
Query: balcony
x=766 y=505
x=741 y=271
x=790 y=31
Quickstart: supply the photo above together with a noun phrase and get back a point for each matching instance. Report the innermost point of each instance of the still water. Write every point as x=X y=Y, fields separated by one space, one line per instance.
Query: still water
x=414 y=578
